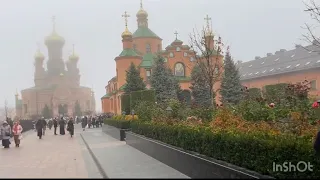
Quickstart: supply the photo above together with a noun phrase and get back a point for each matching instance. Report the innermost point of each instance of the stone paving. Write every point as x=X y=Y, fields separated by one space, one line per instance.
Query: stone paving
x=51 y=157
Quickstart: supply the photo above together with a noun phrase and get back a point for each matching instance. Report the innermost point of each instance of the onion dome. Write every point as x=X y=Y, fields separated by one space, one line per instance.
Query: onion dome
x=208 y=33
x=73 y=56
x=142 y=12
x=54 y=37
x=39 y=56
x=126 y=33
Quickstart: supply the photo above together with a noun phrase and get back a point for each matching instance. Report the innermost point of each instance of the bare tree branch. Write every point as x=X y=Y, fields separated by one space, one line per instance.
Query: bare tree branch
x=314 y=11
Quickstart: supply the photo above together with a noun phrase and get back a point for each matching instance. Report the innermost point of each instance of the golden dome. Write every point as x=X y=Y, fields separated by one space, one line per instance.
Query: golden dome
x=73 y=57
x=126 y=33
x=39 y=56
x=142 y=12
x=54 y=38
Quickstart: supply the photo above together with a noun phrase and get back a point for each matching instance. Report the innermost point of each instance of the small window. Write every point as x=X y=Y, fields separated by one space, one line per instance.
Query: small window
x=272 y=69
x=192 y=59
x=171 y=55
x=262 y=62
x=311 y=51
x=250 y=65
x=293 y=55
x=148 y=48
x=178 y=49
x=318 y=61
x=185 y=54
x=279 y=69
x=244 y=75
x=276 y=59
x=257 y=72
x=134 y=47
x=250 y=74
x=289 y=66
x=313 y=85
x=148 y=73
x=297 y=65
x=307 y=63
x=165 y=59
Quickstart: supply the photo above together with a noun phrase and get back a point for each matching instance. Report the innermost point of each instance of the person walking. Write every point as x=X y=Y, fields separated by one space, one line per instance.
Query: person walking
x=39 y=127
x=17 y=133
x=50 y=123
x=62 y=123
x=5 y=133
x=44 y=126
x=55 y=125
x=70 y=127
x=84 y=123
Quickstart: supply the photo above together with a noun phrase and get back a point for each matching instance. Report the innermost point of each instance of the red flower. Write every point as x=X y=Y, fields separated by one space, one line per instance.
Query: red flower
x=315 y=105
x=271 y=105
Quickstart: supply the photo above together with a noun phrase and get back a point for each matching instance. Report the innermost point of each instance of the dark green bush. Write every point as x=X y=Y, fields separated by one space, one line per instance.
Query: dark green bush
x=275 y=93
x=251 y=151
x=254 y=93
x=121 y=124
x=125 y=103
x=135 y=97
x=148 y=95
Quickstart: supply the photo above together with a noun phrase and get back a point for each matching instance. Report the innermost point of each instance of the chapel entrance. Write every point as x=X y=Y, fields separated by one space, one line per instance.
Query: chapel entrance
x=63 y=109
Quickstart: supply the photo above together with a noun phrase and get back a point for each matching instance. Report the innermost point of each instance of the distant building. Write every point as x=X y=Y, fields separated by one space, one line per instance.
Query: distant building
x=57 y=87
x=141 y=48
x=296 y=65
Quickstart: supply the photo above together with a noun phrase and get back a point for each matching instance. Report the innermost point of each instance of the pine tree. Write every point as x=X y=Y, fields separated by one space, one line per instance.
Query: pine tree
x=163 y=81
x=134 y=82
x=200 y=88
x=46 y=113
x=77 y=109
x=231 y=88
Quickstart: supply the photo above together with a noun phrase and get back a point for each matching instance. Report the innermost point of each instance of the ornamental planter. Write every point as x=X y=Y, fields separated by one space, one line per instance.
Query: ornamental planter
x=189 y=163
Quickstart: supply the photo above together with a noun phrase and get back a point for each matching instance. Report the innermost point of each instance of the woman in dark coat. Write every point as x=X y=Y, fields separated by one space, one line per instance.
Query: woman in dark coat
x=84 y=123
x=62 y=123
x=70 y=127
x=39 y=128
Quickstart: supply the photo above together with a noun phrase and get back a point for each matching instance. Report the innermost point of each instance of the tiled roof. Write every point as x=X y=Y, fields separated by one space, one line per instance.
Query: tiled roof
x=144 y=32
x=300 y=58
x=147 y=60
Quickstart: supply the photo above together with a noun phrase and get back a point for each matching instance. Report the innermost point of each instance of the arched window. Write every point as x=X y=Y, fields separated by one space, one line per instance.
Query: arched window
x=148 y=48
x=179 y=69
x=171 y=55
x=134 y=47
x=178 y=49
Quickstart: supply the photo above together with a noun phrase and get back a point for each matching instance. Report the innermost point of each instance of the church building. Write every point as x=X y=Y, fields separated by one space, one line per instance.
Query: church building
x=141 y=48
x=57 y=86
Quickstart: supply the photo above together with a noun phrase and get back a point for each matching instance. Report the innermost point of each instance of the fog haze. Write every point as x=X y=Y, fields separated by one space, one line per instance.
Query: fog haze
x=251 y=28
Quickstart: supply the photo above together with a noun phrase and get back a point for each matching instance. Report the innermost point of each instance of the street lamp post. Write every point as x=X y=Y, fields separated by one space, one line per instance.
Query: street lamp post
x=169 y=110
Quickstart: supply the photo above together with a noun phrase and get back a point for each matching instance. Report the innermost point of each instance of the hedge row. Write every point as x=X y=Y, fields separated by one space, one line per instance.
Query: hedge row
x=129 y=101
x=251 y=151
x=121 y=124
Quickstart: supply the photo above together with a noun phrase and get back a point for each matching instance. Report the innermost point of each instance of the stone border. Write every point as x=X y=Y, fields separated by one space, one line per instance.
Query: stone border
x=189 y=163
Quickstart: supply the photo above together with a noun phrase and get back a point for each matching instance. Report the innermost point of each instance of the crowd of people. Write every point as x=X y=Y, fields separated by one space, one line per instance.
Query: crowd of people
x=10 y=129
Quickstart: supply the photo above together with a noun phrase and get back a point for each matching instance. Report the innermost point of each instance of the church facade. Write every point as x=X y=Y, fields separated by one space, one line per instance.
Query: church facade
x=57 y=86
x=141 y=48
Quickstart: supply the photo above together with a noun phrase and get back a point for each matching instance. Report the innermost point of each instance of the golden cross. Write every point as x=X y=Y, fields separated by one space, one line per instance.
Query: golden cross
x=126 y=18
x=53 y=22
x=207 y=18
x=176 y=33
x=141 y=4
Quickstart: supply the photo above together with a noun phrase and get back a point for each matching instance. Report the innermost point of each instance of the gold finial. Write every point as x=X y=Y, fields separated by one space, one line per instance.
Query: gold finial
x=141 y=6
x=126 y=18
x=53 y=23
x=176 y=33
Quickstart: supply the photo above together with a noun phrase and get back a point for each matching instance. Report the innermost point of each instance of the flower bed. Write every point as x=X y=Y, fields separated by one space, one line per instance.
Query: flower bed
x=255 y=151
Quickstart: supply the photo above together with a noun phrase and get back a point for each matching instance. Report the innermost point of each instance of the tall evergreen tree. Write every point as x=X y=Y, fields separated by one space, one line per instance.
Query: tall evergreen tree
x=200 y=88
x=46 y=112
x=163 y=81
x=231 y=88
x=77 y=109
x=134 y=82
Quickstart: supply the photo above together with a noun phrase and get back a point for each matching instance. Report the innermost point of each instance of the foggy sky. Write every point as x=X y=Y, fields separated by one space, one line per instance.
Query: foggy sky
x=251 y=28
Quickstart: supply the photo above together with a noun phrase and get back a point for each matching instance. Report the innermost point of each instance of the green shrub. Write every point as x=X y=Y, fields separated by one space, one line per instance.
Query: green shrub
x=121 y=124
x=148 y=95
x=125 y=103
x=252 y=151
x=144 y=110
x=204 y=113
x=254 y=93
x=135 y=97
x=144 y=95
x=275 y=93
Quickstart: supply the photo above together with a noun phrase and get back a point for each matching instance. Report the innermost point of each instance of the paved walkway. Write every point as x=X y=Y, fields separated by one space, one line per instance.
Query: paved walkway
x=66 y=157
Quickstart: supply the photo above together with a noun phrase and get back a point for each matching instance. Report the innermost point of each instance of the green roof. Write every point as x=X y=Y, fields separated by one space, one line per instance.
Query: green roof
x=183 y=78
x=144 y=32
x=147 y=60
x=128 y=52
x=122 y=87
x=106 y=96
x=177 y=41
